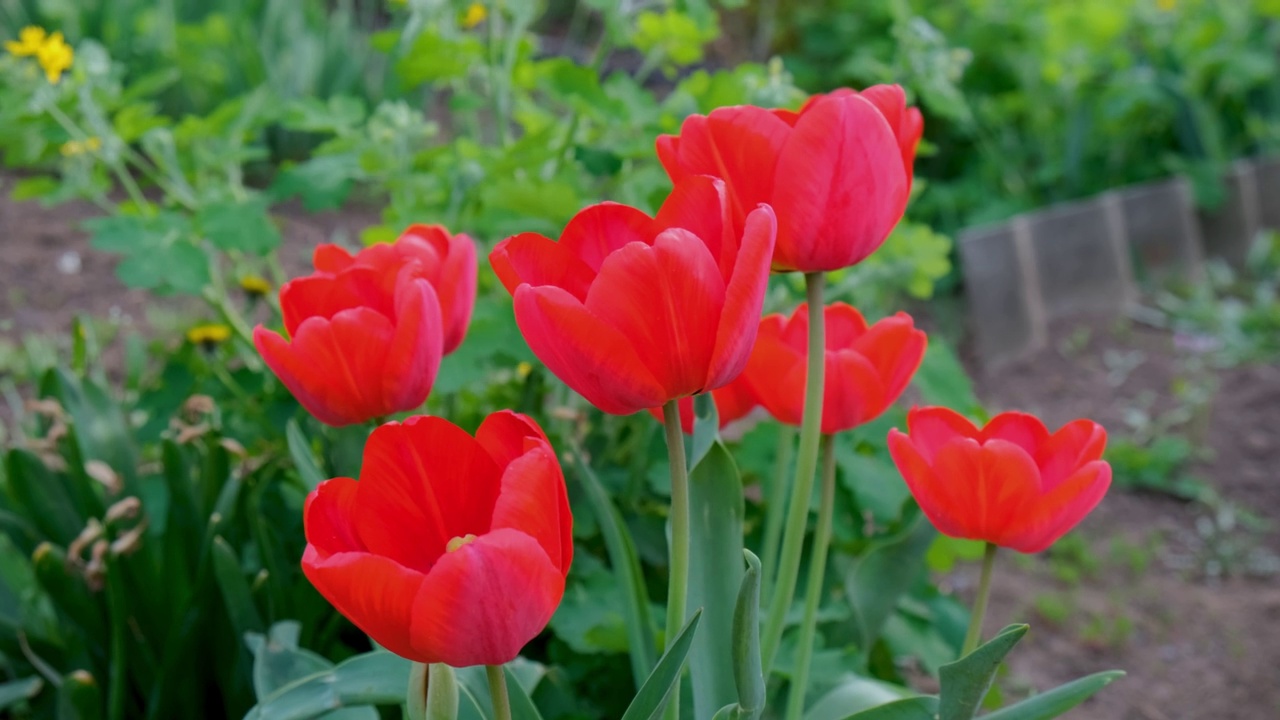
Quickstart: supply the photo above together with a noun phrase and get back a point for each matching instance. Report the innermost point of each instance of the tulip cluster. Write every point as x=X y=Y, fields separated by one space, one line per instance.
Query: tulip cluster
x=453 y=548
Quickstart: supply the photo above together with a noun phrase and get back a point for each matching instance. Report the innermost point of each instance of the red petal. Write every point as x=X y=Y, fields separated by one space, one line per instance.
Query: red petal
x=534 y=501
x=853 y=392
x=666 y=300
x=932 y=427
x=600 y=230
x=588 y=355
x=698 y=204
x=323 y=296
x=1024 y=430
x=841 y=189
x=743 y=299
x=506 y=435
x=423 y=483
x=486 y=600
x=378 y=595
x=896 y=349
x=992 y=488
x=936 y=500
x=844 y=325
x=412 y=358
x=1055 y=513
x=668 y=149
x=776 y=373
x=1077 y=443
x=537 y=260
x=330 y=258
x=457 y=289
x=326 y=518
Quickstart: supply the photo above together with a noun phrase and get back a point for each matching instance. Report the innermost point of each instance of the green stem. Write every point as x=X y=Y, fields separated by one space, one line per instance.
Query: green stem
x=498 y=692
x=118 y=673
x=777 y=500
x=974 y=636
x=817 y=573
x=678 y=583
x=806 y=465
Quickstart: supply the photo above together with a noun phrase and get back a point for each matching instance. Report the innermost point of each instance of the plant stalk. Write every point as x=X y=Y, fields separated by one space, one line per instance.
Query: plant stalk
x=817 y=573
x=974 y=636
x=678 y=584
x=777 y=499
x=806 y=464
x=498 y=692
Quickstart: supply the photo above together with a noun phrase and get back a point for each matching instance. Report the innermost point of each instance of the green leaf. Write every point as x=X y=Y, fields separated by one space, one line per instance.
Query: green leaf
x=101 y=429
x=433 y=58
x=376 y=678
x=626 y=566
x=68 y=591
x=1057 y=701
x=877 y=580
x=15 y=691
x=854 y=693
x=303 y=459
x=650 y=702
x=715 y=575
x=235 y=589
x=33 y=187
x=277 y=659
x=748 y=673
x=917 y=708
x=245 y=226
x=42 y=497
x=79 y=697
x=522 y=707
x=966 y=681
x=440 y=701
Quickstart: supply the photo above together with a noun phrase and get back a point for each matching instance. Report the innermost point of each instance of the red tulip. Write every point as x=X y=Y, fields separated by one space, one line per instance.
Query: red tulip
x=450 y=549
x=448 y=261
x=632 y=311
x=733 y=402
x=867 y=368
x=1012 y=483
x=837 y=172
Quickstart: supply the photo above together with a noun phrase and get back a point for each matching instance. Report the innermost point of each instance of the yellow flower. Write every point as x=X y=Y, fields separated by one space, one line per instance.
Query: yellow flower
x=476 y=14
x=55 y=56
x=523 y=369
x=29 y=42
x=71 y=148
x=208 y=335
x=1167 y=5
x=255 y=285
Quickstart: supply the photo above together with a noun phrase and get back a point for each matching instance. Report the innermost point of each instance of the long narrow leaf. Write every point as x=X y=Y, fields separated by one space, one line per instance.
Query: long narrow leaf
x=1057 y=701
x=655 y=693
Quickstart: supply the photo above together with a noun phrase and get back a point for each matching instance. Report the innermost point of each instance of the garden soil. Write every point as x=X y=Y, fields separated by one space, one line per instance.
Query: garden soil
x=1186 y=603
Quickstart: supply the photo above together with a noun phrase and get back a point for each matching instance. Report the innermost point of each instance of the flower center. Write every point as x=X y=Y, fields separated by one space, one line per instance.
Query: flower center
x=458 y=542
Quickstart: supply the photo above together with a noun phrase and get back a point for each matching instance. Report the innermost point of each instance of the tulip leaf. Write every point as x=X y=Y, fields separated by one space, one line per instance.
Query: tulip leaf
x=79 y=697
x=626 y=566
x=916 y=708
x=303 y=459
x=41 y=497
x=522 y=707
x=706 y=427
x=748 y=674
x=966 y=681
x=235 y=589
x=877 y=580
x=715 y=576
x=853 y=694
x=15 y=691
x=650 y=702
x=1057 y=701
x=277 y=659
x=376 y=678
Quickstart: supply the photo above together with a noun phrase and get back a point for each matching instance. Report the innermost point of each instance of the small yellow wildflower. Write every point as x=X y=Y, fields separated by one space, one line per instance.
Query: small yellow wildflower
x=523 y=370
x=71 y=148
x=208 y=335
x=29 y=42
x=255 y=285
x=55 y=56
x=1167 y=5
x=475 y=14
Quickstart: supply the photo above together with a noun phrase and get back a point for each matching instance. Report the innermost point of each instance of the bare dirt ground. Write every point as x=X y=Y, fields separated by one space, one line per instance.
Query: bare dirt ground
x=1182 y=595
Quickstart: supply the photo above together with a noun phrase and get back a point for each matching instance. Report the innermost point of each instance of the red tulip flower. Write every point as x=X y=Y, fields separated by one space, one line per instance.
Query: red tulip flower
x=451 y=548
x=837 y=172
x=733 y=402
x=1012 y=483
x=448 y=261
x=632 y=311
x=867 y=368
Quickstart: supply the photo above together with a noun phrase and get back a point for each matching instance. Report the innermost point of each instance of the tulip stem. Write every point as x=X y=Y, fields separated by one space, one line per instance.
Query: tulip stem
x=817 y=573
x=777 y=500
x=974 y=636
x=678 y=583
x=498 y=692
x=806 y=464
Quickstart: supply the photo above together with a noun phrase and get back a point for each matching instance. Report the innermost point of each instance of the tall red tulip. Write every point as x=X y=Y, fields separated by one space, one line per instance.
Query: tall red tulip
x=867 y=368
x=733 y=402
x=837 y=172
x=1011 y=483
x=448 y=261
x=632 y=311
x=451 y=548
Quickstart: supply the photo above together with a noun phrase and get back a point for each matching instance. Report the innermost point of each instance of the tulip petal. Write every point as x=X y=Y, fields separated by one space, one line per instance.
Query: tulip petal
x=413 y=356
x=992 y=486
x=776 y=372
x=933 y=427
x=534 y=501
x=423 y=482
x=591 y=357
x=666 y=300
x=936 y=500
x=506 y=435
x=599 y=230
x=743 y=299
x=844 y=325
x=1022 y=429
x=853 y=392
x=377 y=594
x=324 y=296
x=1059 y=510
x=457 y=290
x=327 y=517
x=699 y=205
x=331 y=258
x=896 y=349
x=538 y=260
x=842 y=186
x=486 y=600
x=740 y=145
x=1075 y=444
